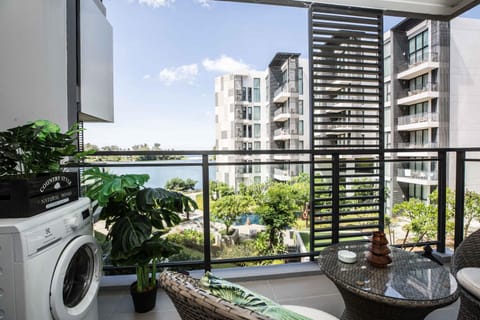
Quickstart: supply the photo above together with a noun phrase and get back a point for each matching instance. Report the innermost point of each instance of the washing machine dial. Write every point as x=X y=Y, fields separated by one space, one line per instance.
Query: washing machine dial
x=72 y=223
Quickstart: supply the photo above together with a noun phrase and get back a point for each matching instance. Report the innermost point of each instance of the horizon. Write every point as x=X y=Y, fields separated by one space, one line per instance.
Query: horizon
x=165 y=63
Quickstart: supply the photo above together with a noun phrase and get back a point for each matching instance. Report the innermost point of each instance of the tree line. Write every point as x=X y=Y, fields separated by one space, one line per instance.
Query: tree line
x=137 y=147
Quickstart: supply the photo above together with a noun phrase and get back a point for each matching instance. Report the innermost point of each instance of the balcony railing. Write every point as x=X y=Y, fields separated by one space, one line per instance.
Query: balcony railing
x=284 y=110
x=413 y=145
x=417 y=174
x=416 y=118
x=427 y=87
x=422 y=57
x=356 y=207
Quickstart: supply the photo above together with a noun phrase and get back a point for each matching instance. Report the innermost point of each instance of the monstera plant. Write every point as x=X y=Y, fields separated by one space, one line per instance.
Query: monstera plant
x=136 y=218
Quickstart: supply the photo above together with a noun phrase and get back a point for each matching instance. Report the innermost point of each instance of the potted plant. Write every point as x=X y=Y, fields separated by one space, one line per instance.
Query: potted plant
x=31 y=179
x=136 y=218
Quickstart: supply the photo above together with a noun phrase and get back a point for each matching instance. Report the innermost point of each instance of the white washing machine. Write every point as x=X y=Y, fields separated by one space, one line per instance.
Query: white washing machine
x=50 y=265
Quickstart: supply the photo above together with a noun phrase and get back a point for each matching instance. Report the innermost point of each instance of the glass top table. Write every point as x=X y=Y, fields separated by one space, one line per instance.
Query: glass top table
x=409 y=288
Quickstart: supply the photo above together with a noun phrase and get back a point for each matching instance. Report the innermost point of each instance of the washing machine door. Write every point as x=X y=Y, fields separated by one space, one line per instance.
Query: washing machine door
x=76 y=280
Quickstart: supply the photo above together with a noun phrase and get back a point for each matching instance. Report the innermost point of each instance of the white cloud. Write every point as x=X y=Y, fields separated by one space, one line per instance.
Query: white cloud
x=183 y=73
x=147 y=76
x=157 y=3
x=225 y=64
x=204 y=3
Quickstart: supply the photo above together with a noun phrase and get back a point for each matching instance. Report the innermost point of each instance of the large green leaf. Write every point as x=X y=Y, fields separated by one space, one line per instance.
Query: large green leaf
x=128 y=234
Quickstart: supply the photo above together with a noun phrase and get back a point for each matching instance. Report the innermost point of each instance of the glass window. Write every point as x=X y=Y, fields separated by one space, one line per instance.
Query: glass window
x=300 y=127
x=256 y=89
x=249 y=94
x=247 y=131
x=418 y=48
x=387 y=118
x=256 y=167
x=300 y=80
x=300 y=107
x=256 y=130
x=256 y=113
x=257 y=145
x=249 y=113
x=257 y=179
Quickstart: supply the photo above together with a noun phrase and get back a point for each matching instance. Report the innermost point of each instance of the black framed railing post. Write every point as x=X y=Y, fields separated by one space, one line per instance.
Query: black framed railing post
x=459 y=197
x=206 y=214
x=335 y=198
x=442 y=201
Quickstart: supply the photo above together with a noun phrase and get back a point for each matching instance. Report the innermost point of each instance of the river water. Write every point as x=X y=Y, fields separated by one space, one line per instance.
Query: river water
x=160 y=175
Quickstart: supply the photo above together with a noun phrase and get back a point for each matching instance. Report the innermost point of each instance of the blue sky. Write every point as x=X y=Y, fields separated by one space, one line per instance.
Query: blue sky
x=167 y=54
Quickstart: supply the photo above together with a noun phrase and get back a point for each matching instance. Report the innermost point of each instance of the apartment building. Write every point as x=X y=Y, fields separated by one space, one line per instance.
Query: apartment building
x=432 y=81
x=262 y=110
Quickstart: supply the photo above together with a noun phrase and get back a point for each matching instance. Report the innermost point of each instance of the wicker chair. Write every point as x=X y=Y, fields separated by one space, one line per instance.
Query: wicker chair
x=467 y=254
x=194 y=303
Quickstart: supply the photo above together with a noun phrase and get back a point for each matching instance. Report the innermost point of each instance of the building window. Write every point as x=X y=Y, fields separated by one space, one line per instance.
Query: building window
x=247 y=131
x=419 y=83
x=419 y=138
x=249 y=94
x=300 y=80
x=300 y=145
x=419 y=108
x=256 y=89
x=257 y=145
x=257 y=180
x=387 y=119
x=418 y=48
x=244 y=94
x=256 y=167
x=388 y=91
x=300 y=127
x=386 y=59
x=300 y=107
x=246 y=113
x=256 y=113
x=256 y=131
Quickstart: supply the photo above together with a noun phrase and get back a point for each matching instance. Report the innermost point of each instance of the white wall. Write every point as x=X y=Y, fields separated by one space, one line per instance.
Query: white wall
x=33 y=62
x=465 y=94
x=464 y=83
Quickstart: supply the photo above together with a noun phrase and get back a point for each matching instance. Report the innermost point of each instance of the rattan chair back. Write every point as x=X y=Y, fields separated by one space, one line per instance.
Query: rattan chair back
x=194 y=303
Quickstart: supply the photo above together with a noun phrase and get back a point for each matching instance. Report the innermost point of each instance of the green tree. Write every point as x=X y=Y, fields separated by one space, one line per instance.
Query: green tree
x=228 y=208
x=450 y=208
x=471 y=210
x=421 y=216
x=179 y=184
x=220 y=189
x=277 y=208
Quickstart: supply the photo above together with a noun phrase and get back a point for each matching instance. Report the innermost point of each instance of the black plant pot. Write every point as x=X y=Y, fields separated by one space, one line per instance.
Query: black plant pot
x=143 y=301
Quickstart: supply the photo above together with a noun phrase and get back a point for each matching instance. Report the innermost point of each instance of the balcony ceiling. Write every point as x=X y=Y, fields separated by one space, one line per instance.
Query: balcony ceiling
x=433 y=9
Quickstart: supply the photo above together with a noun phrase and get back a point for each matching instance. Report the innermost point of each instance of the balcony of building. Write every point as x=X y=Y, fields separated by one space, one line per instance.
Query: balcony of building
x=293 y=282
x=422 y=177
x=281 y=175
x=428 y=92
x=420 y=64
x=284 y=113
x=418 y=121
x=284 y=92
x=285 y=134
x=417 y=149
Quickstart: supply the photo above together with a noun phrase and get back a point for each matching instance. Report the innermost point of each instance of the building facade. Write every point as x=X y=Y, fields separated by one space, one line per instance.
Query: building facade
x=262 y=110
x=431 y=83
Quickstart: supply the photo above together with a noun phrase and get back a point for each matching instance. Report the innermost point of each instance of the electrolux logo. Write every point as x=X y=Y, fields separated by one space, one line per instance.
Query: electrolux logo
x=56 y=180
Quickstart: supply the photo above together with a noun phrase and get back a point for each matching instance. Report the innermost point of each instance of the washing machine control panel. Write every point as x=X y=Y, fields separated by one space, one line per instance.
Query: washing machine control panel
x=52 y=232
